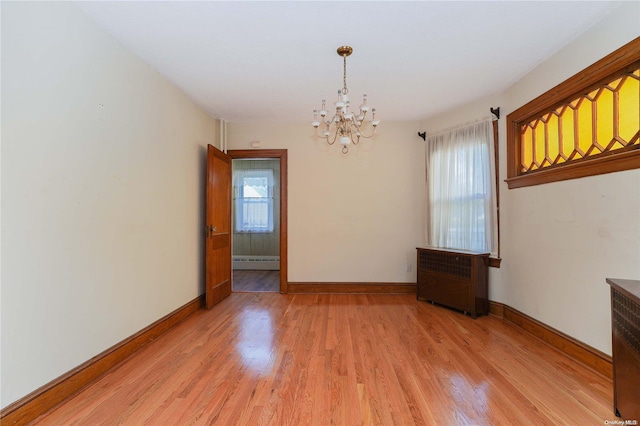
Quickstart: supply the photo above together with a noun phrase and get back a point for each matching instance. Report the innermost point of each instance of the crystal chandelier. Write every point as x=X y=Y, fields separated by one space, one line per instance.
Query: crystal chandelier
x=345 y=126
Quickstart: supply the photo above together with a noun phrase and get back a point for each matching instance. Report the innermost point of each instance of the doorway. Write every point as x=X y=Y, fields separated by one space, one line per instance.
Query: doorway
x=259 y=220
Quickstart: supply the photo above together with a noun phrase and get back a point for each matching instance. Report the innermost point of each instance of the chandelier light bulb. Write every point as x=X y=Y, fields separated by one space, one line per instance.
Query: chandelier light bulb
x=323 y=111
x=339 y=103
x=364 y=107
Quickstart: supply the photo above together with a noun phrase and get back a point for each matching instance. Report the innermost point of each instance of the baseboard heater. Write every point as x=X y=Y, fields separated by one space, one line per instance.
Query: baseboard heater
x=261 y=263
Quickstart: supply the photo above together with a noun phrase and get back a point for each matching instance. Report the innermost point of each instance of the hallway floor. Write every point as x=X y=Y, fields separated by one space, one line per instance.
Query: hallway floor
x=256 y=281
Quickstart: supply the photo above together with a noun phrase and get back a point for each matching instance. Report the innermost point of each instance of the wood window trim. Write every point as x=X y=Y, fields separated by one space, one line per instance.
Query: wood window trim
x=625 y=58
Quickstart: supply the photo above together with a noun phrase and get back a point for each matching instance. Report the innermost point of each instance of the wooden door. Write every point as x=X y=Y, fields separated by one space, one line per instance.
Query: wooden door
x=218 y=226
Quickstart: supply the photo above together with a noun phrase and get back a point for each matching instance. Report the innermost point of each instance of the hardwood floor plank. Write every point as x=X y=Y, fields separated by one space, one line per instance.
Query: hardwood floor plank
x=348 y=359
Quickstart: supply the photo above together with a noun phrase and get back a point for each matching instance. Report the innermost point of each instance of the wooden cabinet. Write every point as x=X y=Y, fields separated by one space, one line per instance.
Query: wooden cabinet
x=454 y=278
x=625 y=324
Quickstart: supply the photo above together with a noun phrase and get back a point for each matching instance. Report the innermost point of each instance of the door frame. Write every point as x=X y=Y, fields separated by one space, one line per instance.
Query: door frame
x=281 y=154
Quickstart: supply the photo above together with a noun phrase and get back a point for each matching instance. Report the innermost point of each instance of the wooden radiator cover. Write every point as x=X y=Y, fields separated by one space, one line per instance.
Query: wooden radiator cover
x=625 y=323
x=454 y=278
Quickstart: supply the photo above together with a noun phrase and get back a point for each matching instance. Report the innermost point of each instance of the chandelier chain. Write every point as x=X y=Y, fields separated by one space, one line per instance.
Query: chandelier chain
x=344 y=78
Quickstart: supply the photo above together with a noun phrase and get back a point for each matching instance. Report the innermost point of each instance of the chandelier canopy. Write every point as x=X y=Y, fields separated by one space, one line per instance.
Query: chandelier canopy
x=345 y=126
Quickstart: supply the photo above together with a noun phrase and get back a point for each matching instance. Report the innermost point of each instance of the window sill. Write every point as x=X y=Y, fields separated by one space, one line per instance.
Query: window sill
x=590 y=167
x=494 y=262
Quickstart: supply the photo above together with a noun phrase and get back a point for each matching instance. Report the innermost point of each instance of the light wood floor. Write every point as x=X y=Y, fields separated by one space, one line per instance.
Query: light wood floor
x=271 y=359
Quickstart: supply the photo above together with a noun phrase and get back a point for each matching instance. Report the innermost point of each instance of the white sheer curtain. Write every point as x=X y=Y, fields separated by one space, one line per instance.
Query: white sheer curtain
x=460 y=181
x=253 y=191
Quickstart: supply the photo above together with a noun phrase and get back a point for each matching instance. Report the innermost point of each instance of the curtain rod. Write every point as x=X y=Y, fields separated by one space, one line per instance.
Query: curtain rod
x=494 y=111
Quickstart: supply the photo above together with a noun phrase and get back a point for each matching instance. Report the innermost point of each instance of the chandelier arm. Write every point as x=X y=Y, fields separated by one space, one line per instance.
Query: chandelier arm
x=335 y=137
x=367 y=137
x=362 y=135
x=358 y=127
x=325 y=137
x=333 y=120
x=361 y=130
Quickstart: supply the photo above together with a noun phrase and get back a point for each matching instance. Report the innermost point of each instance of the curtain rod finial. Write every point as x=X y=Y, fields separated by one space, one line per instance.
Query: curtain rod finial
x=423 y=135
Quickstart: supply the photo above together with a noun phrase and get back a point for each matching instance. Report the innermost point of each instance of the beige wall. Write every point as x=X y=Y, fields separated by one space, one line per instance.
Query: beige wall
x=353 y=217
x=102 y=188
x=561 y=240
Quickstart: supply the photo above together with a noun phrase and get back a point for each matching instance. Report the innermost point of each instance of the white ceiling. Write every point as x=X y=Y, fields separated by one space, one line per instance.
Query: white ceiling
x=275 y=61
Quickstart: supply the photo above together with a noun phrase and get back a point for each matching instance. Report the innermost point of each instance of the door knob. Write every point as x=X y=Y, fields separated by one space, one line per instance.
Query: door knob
x=209 y=230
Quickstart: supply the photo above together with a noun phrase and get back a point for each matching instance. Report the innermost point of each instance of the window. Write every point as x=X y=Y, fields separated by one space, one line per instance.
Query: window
x=461 y=188
x=587 y=125
x=253 y=191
